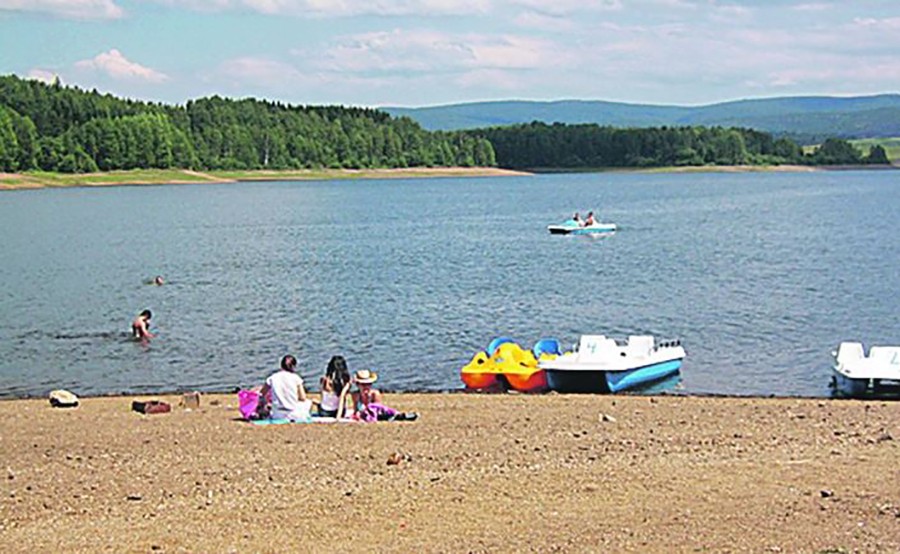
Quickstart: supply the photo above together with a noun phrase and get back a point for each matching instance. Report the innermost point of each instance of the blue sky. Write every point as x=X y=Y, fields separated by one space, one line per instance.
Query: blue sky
x=429 y=52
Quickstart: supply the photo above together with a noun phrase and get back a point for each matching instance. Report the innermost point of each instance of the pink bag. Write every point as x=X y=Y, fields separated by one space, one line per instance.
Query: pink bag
x=375 y=412
x=248 y=401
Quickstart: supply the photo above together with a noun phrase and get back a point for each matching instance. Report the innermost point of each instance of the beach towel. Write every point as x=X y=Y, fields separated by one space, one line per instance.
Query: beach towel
x=308 y=420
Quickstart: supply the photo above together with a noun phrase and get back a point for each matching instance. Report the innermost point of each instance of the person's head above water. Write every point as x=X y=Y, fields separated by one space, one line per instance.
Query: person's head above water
x=158 y=280
x=146 y=314
x=289 y=363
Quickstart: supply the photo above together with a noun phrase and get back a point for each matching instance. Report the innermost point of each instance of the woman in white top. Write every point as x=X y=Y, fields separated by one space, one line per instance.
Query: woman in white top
x=289 y=399
x=335 y=386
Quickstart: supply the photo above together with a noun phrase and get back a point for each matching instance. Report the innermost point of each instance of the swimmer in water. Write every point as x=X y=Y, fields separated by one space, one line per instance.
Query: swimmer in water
x=140 y=327
x=158 y=280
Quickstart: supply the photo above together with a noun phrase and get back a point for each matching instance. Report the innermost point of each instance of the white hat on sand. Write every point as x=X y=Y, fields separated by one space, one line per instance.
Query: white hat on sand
x=365 y=377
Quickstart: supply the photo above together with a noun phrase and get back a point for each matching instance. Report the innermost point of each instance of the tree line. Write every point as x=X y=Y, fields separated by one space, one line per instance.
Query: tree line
x=53 y=127
x=58 y=128
x=538 y=145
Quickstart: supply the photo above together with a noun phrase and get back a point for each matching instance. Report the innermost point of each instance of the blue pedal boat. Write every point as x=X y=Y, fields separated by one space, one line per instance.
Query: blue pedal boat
x=603 y=365
x=571 y=227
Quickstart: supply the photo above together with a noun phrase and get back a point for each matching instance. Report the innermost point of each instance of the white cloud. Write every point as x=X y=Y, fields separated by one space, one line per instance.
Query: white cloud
x=258 y=71
x=339 y=8
x=566 y=7
x=38 y=74
x=71 y=9
x=115 y=65
x=542 y=22
x=870 y=23
x=729 y=13
x=811 y=7
x=422 y=50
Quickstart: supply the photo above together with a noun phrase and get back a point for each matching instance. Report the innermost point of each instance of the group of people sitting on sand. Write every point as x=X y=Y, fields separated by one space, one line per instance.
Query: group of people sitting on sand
x=586 y=222
x=283 y=395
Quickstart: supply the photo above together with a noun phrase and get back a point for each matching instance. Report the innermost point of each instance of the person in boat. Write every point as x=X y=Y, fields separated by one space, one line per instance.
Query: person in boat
x=287 y=394
x=368 y=404
x=335 y=389
x=140 y=327
x=589 y=220
x=577 y=219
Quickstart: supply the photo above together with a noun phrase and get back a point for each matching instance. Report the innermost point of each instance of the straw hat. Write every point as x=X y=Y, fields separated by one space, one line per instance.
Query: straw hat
x=63 y=399
x=365 y=377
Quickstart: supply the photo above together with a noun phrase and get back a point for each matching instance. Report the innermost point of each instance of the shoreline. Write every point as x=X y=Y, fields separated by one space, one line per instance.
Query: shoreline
x=466 y=392
x=477 y=473
x=40 y=180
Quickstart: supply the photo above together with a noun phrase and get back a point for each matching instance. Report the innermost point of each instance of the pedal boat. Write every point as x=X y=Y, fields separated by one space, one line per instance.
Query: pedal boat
x=856 y=374
x=603 y=365
x=508 y=366
x=571 y=227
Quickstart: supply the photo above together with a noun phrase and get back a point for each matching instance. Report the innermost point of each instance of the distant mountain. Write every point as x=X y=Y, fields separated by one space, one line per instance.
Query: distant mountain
x=807 y=119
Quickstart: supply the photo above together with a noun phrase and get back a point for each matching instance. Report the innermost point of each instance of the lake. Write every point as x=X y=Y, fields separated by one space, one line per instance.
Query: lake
x=760 y=275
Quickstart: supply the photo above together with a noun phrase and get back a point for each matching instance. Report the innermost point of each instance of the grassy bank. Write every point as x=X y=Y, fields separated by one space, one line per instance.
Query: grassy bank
x=891 y=146
x=43 y=179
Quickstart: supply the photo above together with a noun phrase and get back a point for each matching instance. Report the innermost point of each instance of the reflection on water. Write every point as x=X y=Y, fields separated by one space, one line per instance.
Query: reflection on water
x=760 y=276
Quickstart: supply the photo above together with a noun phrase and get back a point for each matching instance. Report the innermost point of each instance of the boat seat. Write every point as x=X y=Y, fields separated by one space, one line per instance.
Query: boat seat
x=640 y=345
x=850 y=351
x=546 y=346
x=885 y=354
x=495 y=344
x=596 y=347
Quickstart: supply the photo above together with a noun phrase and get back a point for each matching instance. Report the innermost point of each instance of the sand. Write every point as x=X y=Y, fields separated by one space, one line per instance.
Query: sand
x=476 y=473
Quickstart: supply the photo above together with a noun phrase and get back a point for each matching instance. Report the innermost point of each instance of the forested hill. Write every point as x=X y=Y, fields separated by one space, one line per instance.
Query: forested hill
x=66 y=129
x=807 y=120
x=540 y=146
x=69 y=130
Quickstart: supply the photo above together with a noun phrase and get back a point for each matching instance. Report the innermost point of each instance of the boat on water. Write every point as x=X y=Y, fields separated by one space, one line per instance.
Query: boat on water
x=856 y=374
x=603 y=365
x=572 y=227
x=505 y=365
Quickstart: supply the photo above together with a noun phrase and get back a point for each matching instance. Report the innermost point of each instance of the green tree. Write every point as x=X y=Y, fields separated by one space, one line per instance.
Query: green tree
x=9 y=145
x=836 y=152
x=877 y=155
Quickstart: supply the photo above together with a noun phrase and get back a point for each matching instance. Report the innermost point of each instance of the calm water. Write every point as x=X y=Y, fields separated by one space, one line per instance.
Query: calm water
x=760 y=275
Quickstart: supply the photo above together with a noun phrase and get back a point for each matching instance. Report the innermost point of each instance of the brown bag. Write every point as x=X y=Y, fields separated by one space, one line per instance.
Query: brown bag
x=151 y=407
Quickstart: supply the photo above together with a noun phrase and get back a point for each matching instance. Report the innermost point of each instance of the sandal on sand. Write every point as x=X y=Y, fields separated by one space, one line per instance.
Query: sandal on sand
x=405 y=416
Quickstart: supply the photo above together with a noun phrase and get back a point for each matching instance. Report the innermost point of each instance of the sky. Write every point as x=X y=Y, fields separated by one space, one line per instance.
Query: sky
x=433 y=52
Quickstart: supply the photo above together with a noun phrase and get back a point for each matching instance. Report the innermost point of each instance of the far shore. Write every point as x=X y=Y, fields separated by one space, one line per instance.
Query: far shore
x=44 y=179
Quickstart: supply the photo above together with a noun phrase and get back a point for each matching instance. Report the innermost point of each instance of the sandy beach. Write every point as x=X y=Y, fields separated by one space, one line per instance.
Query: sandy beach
x=476 y=473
